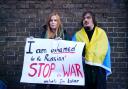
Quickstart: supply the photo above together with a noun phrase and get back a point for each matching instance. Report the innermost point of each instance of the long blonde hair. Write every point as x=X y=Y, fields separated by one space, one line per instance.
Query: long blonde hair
x=58 y=32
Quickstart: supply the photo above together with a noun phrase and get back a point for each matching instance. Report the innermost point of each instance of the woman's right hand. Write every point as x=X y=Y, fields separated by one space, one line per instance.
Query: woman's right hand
x=31 y=37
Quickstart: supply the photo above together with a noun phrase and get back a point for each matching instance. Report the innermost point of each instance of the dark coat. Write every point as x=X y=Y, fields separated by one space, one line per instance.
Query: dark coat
x=44 y=29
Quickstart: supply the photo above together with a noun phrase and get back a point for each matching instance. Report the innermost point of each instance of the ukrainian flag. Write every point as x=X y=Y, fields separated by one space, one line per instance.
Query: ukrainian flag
x=97 y=50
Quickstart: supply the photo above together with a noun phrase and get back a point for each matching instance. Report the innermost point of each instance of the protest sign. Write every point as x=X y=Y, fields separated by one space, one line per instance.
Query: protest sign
x=50 y=61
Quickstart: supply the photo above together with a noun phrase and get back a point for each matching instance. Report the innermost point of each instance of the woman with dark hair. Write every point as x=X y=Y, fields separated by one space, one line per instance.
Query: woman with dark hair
x=96 y=53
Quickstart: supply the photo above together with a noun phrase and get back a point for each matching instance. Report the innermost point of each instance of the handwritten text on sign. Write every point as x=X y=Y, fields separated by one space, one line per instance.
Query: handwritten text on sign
x=52 y=61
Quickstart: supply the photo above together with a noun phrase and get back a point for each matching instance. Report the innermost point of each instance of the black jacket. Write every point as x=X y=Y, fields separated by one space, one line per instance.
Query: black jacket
x=44 y=29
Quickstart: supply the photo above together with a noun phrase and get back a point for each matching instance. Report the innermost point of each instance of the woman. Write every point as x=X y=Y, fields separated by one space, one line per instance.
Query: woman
x=52 y=30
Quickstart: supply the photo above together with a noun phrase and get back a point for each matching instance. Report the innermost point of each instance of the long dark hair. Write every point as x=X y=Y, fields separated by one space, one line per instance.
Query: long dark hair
x=93 y=17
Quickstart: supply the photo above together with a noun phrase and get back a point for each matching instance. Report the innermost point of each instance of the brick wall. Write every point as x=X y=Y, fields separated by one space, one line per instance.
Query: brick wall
x=23 y=18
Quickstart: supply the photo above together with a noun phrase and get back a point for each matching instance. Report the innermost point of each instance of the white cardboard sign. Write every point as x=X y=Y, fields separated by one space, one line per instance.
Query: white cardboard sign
x=50 y=61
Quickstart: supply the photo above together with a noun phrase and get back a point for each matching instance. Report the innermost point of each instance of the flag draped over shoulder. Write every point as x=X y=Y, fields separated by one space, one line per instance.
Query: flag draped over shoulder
x=97 y=50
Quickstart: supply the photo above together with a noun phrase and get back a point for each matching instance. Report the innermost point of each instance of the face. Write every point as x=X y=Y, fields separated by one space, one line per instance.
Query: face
x=53 y=23
x=88 y=22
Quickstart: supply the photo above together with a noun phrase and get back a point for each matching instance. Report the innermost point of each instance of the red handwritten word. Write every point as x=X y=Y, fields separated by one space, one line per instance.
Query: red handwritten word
x=64 y=53
x=72 y=69
x=45 y=69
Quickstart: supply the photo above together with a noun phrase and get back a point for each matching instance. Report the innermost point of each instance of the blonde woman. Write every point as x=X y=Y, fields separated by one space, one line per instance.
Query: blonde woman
x=52 y=30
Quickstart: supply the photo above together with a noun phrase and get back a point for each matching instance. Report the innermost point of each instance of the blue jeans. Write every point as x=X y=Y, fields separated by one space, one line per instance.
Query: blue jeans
x=2 y=85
